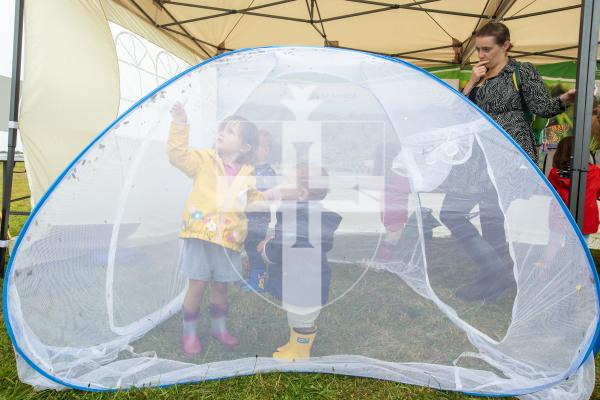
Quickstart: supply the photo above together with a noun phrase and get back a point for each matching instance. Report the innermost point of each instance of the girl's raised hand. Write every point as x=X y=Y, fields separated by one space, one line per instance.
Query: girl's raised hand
x=178 y=113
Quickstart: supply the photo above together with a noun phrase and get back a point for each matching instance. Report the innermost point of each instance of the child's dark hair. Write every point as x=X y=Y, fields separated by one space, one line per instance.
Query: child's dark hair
x=562 y=157
x=248 y=135
x=316 y=185
x=497 y=30
x=264 y=133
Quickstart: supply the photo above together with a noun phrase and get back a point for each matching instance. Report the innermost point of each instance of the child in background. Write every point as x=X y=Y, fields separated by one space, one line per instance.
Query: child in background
x=394 y=201
x=258 y=221
x=299 y=273
x=214 y=224
x=560 y=178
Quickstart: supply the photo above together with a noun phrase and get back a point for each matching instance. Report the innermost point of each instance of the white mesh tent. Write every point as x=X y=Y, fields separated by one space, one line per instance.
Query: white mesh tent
x=529 y=22
x=94 y=288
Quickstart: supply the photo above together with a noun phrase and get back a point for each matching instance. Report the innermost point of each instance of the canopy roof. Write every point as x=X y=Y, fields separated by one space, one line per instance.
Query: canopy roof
x=423 y=32
x=85 y=91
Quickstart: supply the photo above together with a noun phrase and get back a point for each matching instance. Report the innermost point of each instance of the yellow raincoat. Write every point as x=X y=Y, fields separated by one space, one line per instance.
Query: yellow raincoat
x=214 y=209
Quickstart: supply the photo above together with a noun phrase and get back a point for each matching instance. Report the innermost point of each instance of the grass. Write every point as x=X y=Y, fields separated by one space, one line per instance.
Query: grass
x=261 y=386
x=20 y=189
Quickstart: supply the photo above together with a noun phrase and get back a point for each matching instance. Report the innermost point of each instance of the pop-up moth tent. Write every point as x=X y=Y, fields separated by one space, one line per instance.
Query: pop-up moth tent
x=399 y=244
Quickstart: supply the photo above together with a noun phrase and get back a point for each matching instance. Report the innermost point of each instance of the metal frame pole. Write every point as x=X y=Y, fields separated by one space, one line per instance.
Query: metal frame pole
x=535 y=14
x=12 y=130
x=586 y=74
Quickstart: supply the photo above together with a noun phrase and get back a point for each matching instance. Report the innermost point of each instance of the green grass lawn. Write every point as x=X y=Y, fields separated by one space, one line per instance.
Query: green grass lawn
x=273 y=385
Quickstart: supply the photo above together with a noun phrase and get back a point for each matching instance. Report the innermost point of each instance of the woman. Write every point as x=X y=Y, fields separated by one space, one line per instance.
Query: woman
x=492 y=87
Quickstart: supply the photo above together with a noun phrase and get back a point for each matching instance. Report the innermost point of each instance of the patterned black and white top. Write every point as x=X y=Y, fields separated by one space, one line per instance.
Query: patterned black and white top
x=499 y=98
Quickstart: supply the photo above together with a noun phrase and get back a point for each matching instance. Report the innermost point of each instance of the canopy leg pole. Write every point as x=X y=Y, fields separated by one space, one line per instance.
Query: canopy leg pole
x=586 y=74
x=12 y=130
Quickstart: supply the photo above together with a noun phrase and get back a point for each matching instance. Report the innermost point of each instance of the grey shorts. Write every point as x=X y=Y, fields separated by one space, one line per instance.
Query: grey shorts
x=205 y=261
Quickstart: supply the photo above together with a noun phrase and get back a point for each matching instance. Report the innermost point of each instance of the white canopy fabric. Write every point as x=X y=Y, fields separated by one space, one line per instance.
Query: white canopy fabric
x=72 y=87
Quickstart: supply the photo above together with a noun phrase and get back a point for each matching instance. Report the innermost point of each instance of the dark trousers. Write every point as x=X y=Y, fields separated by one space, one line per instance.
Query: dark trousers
x=258 y=224
x=487 y=249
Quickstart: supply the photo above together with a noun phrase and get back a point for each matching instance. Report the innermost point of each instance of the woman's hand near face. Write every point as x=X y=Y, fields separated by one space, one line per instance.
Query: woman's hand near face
x=478 y=72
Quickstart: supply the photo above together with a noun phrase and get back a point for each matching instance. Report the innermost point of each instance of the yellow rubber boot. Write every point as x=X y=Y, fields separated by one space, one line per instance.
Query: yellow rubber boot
x=285 y=347
x=298 y=348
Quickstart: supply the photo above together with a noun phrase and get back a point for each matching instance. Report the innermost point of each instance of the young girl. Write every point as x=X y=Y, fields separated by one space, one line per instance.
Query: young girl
x=214 y=224
x=560 y=178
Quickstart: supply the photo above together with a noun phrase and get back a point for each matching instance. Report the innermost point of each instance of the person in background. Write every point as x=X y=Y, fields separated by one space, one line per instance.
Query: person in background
x=509 y=91
x=258 y=221
x=560 y=178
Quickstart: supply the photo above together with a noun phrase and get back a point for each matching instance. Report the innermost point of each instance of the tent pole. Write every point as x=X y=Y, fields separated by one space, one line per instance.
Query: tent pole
x=183 y=29
x=586 y=74
x=194 y=39
x=12 y=130
x=546 y=52
x=535 y=14
x=420 y=50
